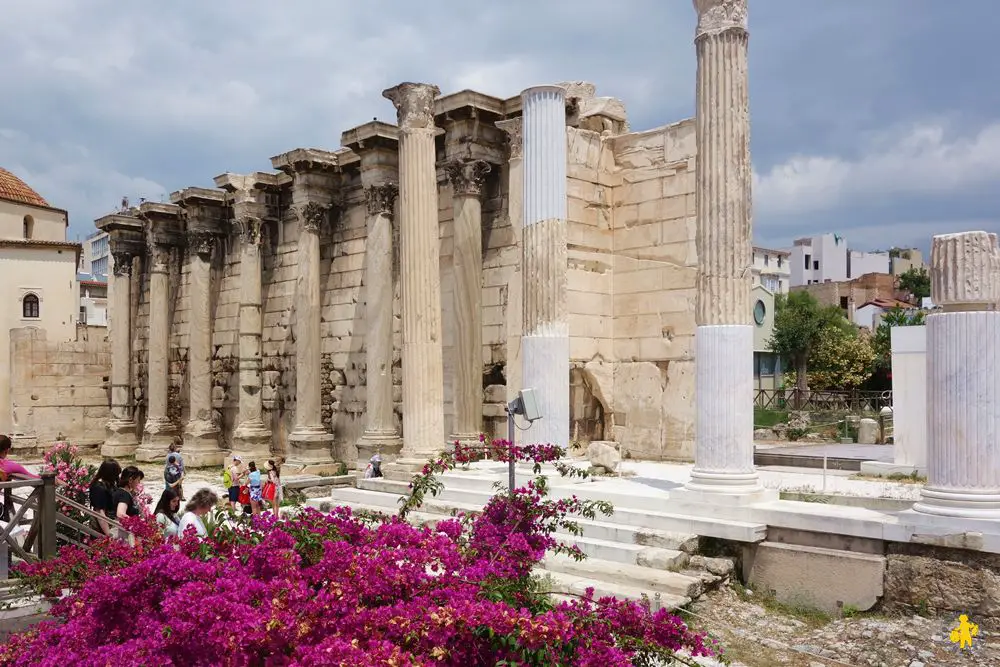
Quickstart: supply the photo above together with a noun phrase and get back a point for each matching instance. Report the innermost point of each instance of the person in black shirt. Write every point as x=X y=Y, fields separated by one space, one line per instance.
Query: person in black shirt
x=102 y=489
x=123 y=496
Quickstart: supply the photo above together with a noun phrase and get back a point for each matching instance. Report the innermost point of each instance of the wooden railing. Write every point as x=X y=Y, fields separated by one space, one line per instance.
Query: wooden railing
x=834 y=401
x=43 y=538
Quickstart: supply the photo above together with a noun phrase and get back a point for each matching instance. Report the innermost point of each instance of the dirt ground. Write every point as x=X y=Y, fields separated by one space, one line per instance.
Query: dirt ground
x=761 y=633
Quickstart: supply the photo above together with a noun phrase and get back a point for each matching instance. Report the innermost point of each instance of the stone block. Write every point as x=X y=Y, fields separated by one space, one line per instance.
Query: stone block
x=818 y=578
x=965 y=269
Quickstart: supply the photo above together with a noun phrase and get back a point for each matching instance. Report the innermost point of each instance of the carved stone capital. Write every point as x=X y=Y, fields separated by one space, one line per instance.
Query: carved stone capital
x=467 y=176
x=512 y=128
x=250 y=228
x=312 y=216
x=123 y=263
x=201 y=243
x=381 y=198
x=718 y=16
x=414 y=104
x=159 y=256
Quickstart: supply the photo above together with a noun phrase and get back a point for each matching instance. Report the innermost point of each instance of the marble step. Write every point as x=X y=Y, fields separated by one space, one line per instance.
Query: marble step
x=612 y=551
x=641 y=520
x=569 y=587
x=637 y=576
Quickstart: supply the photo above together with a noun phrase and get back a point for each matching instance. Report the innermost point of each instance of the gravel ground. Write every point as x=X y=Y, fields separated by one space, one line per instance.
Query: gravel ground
x=766 y=635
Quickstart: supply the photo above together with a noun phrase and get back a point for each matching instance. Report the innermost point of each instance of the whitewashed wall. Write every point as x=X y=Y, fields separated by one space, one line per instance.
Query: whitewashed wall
x=909 y=395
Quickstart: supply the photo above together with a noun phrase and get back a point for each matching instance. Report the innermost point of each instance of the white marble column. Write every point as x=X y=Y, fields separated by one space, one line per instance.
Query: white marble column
x=514 y=314
x=201 y=434
x=724 y=334
x=121 y=439
x=380 y=436
x=963 y=379
x=545 y=328
x=158 y=431
x=420 y=252
x=467 y=178
x=310 y=441
x=252 y=438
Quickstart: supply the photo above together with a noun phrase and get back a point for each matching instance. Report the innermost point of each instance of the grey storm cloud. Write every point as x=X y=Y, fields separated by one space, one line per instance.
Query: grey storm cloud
x=875 y=120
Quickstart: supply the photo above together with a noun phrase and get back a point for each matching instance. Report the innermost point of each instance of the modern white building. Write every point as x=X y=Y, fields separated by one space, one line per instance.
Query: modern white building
x=771 y=270
x=96 y=257
x=826 y=258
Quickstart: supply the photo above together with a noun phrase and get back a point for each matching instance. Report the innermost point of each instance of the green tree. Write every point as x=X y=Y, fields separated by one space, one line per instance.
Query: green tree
x=841 y=360
x=916 y=281
x=800 y=322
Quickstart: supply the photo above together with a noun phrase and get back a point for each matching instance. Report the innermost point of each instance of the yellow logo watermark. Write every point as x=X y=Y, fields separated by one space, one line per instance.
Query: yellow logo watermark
x=963 y=633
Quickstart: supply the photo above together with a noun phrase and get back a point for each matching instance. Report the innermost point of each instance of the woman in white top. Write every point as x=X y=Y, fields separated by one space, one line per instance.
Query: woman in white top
x=166 y=512
x=201 y=503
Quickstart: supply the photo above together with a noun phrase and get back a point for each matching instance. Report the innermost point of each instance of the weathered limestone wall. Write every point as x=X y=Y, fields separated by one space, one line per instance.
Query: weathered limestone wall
x=60 y=390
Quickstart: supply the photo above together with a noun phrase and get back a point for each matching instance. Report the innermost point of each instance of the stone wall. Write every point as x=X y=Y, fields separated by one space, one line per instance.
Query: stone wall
x=59 y=390
x=857 y=291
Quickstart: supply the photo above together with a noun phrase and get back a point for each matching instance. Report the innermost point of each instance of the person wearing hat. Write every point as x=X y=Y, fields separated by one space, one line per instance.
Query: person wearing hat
x=237 y=478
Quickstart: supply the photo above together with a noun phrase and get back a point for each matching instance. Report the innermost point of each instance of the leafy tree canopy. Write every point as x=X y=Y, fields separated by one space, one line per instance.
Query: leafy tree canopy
x=800 y=323
x=916 y=281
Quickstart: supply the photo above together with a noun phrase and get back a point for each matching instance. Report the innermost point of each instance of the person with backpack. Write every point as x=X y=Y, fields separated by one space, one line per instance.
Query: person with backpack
x=173 y=475
x=175 y=451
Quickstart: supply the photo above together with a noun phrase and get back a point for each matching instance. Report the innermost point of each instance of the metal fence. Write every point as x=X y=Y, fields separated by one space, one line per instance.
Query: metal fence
x=813 y=401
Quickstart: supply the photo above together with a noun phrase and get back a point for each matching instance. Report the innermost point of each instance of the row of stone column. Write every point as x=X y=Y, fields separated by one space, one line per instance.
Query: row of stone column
x=414 y=184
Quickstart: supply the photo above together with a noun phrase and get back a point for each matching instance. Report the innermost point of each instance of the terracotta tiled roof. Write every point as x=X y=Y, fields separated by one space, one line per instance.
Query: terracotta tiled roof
x=13 y=188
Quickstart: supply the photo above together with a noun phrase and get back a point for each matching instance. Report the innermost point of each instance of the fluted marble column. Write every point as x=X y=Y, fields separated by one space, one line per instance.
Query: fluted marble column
x=963 y=379
x=515 y=211
x=724 y=334
x=380 y=434
x=158 y=431
x=467 y=178
x=252 y=437
x=309 y=439
x=545 y=328
x=121 y=439
x=420 y=251
x=201 y=434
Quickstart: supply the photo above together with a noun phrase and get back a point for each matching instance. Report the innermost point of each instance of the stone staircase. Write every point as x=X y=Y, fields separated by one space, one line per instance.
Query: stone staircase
x=637 y=552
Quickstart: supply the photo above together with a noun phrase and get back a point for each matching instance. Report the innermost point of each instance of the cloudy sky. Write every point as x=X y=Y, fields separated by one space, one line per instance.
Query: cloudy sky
x=875 y=119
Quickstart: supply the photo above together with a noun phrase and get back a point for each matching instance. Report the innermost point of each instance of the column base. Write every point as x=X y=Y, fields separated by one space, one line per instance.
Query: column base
x=201 y=445
x=121 y=439
x=157 y=435
x=695 y=496
x=310 y=451
x=964 y=504
x=386 y=444
x=464 y=439
x=252 y=440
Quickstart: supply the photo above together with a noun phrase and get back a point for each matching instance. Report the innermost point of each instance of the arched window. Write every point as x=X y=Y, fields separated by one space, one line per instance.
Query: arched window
x=29 y=306
x=29 y=226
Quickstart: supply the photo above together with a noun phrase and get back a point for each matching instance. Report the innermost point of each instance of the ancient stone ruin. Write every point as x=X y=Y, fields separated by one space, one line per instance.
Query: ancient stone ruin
x=392 y=294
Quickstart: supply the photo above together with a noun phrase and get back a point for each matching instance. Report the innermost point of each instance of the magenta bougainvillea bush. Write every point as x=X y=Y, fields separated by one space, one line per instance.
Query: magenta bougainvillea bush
x=337 y=589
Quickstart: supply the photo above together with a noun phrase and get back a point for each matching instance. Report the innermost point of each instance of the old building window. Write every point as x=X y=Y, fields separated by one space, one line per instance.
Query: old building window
x=29 y=306
x=29 y=226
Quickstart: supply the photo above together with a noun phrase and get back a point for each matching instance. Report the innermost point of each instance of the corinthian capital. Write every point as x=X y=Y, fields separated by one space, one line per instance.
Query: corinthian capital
x=512 y=128
x=201 y=243
x=414 y=104
x=312 y=216
x=249 y=227
x=718 y=16
x=381 y=198
x=467 y=176
x=123 y=263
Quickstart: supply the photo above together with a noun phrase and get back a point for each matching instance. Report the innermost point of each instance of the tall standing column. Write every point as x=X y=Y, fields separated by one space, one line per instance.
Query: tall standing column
x=201 y=434
x=380 y=436
x=252 y=437
x=309 y=440
x=963 y=379
x=420 y=251
x=515 y=205
x=724 y=334
x=545 y=337
x=467 y=178
x=121 y=437
x=158 y=432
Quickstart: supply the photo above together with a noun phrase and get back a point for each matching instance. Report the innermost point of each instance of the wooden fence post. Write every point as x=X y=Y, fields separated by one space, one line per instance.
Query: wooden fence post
x=47 y=517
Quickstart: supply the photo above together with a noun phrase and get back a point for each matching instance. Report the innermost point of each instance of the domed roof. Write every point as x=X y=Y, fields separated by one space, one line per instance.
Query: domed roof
x=13 y=188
